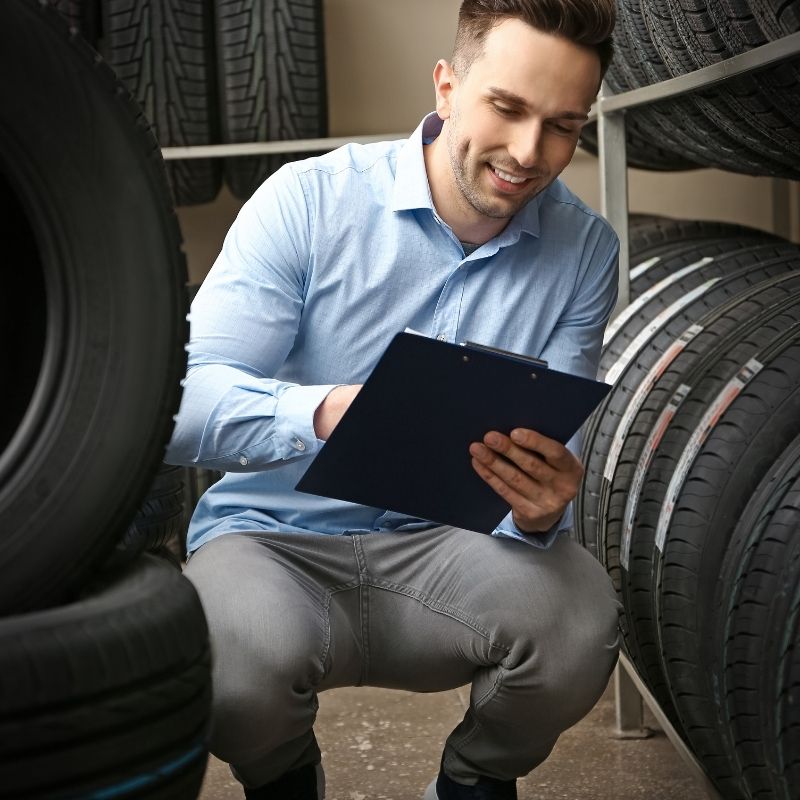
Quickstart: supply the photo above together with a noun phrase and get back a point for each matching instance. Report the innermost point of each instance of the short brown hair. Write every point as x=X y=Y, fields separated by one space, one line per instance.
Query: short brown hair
x=585 y=22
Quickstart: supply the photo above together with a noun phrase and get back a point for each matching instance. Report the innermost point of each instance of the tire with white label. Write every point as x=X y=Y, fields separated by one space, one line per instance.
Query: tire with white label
x=95 y=304
x=727 y=432
x=626 y=548
x=655 y=326
x=108 y=696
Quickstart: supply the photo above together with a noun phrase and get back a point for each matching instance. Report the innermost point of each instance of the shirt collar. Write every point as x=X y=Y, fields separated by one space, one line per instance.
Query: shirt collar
x=412 y=190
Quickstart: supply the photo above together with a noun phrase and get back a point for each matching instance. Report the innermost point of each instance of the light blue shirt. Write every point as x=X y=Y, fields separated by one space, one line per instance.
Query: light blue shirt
x=330 y=258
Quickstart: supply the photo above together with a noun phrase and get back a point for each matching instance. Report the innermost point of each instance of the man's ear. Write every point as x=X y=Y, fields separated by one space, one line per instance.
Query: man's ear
x=444 y=81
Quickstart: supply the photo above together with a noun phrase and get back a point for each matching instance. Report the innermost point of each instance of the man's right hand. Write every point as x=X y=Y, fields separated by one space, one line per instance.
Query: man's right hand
x=332 y=409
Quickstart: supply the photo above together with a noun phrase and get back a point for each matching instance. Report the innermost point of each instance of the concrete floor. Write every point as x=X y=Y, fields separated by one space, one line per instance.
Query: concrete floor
x=380 y=744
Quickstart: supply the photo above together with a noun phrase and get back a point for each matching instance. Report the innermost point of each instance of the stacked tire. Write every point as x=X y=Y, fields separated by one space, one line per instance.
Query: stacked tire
x=749 y=124
x=215 y=71
x=104 y=662
x=691 y=476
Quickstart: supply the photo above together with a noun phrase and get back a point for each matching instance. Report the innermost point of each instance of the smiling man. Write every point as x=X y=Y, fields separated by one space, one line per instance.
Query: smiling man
x=463 y=232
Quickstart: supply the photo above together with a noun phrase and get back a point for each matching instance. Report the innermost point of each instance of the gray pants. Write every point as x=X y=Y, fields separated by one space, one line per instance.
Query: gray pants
x=534 y=632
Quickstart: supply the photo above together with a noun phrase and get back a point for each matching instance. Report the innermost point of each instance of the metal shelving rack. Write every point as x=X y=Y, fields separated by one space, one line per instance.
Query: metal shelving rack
x=630 y=691
x=609 y=110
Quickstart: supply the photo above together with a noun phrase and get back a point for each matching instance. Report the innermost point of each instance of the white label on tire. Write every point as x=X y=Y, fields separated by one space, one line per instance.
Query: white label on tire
x=637 y=305
x=636 y=402
x=700 y=434
x=635 y=490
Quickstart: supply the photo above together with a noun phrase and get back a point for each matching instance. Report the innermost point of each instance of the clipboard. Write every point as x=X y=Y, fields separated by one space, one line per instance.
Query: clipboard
x=403 y=445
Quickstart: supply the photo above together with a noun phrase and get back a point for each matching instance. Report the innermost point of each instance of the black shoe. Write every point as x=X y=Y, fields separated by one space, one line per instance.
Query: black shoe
x=305 y=783
x=445 y=788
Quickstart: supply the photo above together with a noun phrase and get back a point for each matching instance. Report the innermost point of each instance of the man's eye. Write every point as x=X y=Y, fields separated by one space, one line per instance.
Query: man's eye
x=563 y=129
x=504 y=110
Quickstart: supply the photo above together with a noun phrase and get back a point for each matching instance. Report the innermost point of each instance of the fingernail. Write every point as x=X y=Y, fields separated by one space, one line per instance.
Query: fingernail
x=493 y=439
x=516 y=436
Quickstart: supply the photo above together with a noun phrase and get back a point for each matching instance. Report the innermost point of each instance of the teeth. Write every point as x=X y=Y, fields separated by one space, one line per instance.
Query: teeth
x=506 y=177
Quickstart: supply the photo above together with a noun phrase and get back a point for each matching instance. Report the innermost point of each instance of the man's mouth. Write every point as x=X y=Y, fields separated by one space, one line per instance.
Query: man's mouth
x=508 y=177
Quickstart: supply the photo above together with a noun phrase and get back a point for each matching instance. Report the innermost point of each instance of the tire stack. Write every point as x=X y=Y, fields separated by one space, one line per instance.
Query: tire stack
x=215 y=71
x=690 y=497
x=749 y=124
x=104 y=660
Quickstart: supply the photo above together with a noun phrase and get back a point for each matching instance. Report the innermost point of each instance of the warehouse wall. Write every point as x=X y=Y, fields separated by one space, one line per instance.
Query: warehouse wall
x=380 y=58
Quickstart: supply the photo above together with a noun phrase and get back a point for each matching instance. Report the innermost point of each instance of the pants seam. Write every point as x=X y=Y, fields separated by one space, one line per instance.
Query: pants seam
x=328 y=636
x=363 y=604
x=441 y=608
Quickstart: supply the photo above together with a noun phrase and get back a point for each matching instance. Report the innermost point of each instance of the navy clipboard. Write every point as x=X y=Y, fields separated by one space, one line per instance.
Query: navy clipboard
x=403 y=444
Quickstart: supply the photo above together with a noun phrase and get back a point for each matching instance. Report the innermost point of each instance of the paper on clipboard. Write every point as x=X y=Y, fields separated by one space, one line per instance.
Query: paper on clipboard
x=403 y=444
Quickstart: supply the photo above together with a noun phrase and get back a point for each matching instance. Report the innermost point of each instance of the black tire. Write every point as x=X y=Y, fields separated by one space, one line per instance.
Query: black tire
x=753 y=656
x=653 y=239
x=739 y=448
x=160 y=523
x=627 y=549
x=713 y=273
x=97 y=309
x=109 y=696
x=164 y=53
x=272 y=81
x=642 y=151
x=735 y=111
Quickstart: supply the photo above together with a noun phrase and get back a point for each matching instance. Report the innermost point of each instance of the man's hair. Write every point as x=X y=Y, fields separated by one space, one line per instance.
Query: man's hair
x=585 y=22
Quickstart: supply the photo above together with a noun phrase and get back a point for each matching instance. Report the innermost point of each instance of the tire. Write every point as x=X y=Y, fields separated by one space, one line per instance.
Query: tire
x=97 y=368
x=651 y=241
x=163 y=52
x=160 y=523
x=739 y=448
x=751 y=656
x=735 y=112
x=271 y=69
x=626 y=545
x=712 y=273
x=109 y=696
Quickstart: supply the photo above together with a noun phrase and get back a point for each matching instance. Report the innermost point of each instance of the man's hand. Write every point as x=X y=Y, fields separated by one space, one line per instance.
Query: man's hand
x=332 y=409
x=535 y=475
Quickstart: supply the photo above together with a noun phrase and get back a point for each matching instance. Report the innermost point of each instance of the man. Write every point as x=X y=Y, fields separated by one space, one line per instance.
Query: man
x=462 y=232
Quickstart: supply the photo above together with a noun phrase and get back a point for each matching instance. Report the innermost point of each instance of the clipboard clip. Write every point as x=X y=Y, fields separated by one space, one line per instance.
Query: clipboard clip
x=537 y=362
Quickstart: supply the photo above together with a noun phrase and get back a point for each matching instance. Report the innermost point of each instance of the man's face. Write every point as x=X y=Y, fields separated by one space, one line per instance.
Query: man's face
x=514 y=119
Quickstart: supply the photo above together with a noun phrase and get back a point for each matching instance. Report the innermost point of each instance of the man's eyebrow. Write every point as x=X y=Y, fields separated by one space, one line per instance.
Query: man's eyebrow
x=517 y=100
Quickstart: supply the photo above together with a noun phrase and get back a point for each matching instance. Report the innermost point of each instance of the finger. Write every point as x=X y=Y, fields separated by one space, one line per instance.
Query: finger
x=555 y=453
x=524 y=503
x=522 y=484
x=530 y=462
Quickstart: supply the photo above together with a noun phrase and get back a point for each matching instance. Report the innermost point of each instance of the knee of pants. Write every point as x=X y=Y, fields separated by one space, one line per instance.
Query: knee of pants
x=577 y=659
x=261 y=699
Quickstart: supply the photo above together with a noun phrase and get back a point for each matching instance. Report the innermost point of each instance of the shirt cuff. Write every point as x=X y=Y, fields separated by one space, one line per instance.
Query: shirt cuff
x=294 y=420
x=543 y=539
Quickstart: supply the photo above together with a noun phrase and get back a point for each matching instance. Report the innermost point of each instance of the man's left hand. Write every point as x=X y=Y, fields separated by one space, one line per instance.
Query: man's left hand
x=536 y=476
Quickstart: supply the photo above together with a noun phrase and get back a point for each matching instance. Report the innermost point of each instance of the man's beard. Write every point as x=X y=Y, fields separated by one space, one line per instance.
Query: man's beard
x=470 y=186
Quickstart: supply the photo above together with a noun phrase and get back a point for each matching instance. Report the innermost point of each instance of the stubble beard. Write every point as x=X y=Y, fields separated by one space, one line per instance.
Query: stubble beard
x=469 y=185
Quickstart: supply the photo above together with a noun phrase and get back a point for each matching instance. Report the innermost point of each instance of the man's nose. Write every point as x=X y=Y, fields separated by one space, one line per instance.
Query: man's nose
x=525 y=147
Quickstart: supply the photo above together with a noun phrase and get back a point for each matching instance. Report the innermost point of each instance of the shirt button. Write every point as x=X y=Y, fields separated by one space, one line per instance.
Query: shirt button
x=441 y=337
x=299 y=444
x=243 y=461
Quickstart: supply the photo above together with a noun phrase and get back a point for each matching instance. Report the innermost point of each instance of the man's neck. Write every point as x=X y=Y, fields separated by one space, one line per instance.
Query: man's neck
x=465 y=222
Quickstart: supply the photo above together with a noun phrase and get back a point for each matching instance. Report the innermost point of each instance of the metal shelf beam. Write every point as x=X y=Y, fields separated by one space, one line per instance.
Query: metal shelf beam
x=757 y=58
x=273 y=148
